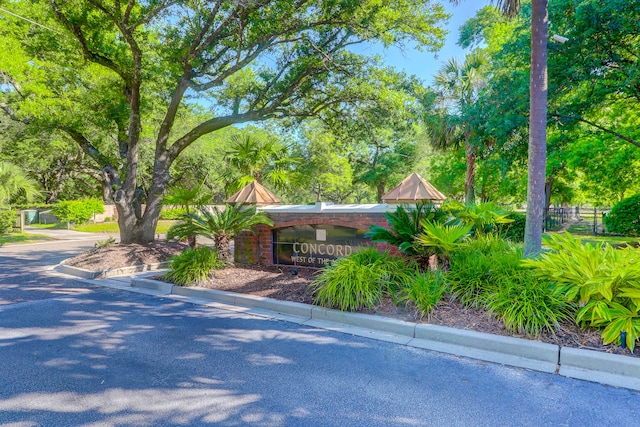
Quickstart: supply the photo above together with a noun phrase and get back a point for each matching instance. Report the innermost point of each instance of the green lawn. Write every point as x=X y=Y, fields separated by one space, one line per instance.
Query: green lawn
x=586 y=237
x=112 y=227
x=22 y=238
x=55 y=226
x=103 y=227
x=610 y=239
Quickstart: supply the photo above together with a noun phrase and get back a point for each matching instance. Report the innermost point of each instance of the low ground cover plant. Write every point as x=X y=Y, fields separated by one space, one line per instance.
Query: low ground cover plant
x=424 y=289
x=478 y=265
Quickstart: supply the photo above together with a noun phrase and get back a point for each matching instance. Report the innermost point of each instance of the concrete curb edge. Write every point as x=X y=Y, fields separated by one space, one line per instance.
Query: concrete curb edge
x=589 y=365
x=606 y=368
x=112 y=272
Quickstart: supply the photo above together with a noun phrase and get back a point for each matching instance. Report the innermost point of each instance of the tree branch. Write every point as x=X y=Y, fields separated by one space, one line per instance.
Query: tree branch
x=211 y=126
x=88 y=54
x=87 y=147
x=12 y=114
x=602 y=128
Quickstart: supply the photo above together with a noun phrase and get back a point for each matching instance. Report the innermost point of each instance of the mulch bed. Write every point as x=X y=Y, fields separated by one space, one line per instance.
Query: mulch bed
x=280 y=283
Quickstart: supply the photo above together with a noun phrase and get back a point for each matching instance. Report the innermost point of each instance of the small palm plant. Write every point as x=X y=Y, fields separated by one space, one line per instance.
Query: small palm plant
x=440 y=240
x=405 y=226
x=220 y=225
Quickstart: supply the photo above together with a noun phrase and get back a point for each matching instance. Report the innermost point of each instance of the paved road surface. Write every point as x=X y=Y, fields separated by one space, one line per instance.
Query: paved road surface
x=75 y=354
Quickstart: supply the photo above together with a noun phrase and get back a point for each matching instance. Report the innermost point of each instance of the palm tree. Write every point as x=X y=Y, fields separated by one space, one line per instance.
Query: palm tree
x=537 y=119
x=459 y=86
x=258 y=160
x=14 y=183
x=537 y=128
x=220 y=225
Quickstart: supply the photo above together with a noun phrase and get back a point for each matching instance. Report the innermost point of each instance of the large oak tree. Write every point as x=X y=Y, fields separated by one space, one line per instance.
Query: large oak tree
x=116 y=75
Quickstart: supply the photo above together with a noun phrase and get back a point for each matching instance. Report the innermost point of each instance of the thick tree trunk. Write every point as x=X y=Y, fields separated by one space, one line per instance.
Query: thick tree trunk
x=537 y=129
x=136 y=226
x=134 y=229
x=380 y=191
x=470 y=176
x=222 y=243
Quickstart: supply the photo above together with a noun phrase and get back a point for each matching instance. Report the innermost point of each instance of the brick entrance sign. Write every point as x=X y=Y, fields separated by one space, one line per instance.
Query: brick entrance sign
x=309 y=235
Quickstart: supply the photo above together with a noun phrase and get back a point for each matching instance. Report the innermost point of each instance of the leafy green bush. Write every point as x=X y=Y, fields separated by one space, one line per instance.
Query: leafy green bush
x=603 y=280
x=193 y=266
x=624 y=217
x=173 y=213
x=77 y=211
x=358 y=281
x=514 y=230
x=528 y=305
x=482 y=217
x=478 y=267
x=8 y=219
x=425 y=290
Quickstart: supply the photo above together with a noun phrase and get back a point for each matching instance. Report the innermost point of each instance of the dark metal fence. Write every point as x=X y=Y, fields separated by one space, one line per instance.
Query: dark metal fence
x=582 y=220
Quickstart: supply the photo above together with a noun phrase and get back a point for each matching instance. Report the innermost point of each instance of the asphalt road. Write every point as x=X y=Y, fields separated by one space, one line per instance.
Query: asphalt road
x=73 y=354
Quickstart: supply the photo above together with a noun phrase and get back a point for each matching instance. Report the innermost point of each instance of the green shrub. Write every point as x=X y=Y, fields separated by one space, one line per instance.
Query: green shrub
x=624 y=217
x=477 y=267
x=604 y=281
x=482 y=217
x=173 y=213
x=514 y=230
x=8 y=219
x=193 y=266
x=528 y=305
x=358 y=281
x=77 y=211
x=425 y=290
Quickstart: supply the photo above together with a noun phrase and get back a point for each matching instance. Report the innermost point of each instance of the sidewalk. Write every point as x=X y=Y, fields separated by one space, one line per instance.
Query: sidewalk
x=589 y=365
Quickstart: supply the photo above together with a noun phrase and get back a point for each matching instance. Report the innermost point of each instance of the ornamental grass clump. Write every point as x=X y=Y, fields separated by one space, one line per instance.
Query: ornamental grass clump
x=424 y=289
x=477 y=265
x=527 y=305
x=358 y=281
x=193 y=266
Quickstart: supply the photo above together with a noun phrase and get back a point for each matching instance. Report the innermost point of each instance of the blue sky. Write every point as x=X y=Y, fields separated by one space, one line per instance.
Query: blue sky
x=425 y=64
